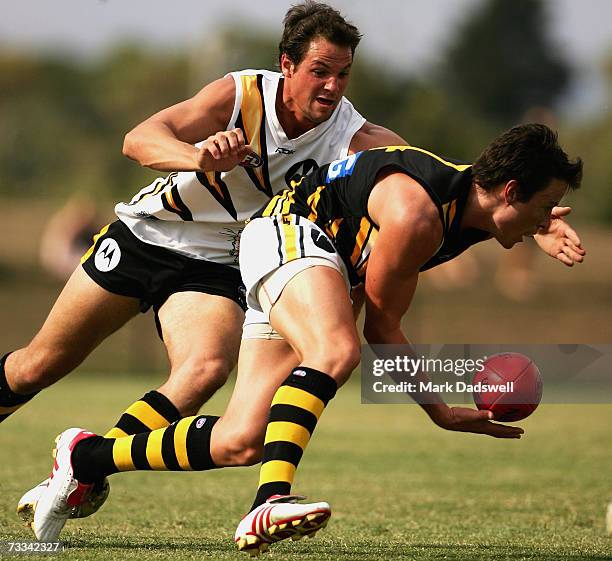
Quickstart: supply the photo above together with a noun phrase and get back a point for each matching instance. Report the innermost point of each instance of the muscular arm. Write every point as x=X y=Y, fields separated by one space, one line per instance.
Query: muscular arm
x=409 y=234
x=370 y=136
x=373 y=136
x=165 y=140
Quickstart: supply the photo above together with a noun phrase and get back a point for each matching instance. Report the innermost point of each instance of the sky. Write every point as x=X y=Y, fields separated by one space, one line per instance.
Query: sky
x=406 y=34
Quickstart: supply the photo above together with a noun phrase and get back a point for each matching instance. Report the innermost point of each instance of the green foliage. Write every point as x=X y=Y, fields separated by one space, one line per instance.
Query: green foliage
x=593 y=142
x=502 y=62
x=247 y=49
x=62 y=123
x=417 y=110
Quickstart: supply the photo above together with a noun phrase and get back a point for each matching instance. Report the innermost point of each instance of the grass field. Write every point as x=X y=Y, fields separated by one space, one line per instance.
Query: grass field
x=399 y=487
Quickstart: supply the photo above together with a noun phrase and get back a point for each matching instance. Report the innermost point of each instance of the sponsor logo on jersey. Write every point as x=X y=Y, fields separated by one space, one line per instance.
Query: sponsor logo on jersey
x=200 y=422
x=108 y=255
x=322 y=241
x=252 y=160
x=299 y=372
x=281 y=150
x=299 y=169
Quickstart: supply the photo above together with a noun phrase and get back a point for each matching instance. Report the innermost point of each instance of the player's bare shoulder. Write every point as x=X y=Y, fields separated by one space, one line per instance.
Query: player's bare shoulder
x=371 y=135
x=220 y=93
x=206 y=113
x=400 y=201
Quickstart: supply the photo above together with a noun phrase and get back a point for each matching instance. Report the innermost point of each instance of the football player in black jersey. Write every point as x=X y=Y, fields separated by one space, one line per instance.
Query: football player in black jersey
x=422 y=210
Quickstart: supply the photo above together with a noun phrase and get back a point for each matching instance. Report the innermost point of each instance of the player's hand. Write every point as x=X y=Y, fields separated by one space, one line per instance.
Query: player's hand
x=463 y=419
x=560 y=240
x=222 y=151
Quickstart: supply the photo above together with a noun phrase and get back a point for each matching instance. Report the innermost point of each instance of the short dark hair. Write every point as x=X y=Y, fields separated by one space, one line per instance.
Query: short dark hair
x=309 y=20
x=531 y=155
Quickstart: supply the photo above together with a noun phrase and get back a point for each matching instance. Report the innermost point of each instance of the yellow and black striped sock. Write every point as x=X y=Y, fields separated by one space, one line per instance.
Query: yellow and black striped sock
x=182 y=446
x=296 y=408
x=152 y=411
x=9 y=400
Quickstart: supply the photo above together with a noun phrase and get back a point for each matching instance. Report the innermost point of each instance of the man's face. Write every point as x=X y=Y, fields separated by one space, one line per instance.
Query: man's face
x=316 y=85
x=518 y=219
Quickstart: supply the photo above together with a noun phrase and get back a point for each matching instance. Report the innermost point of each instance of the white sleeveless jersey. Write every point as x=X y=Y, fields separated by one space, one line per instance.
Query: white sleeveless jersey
x=202 y=214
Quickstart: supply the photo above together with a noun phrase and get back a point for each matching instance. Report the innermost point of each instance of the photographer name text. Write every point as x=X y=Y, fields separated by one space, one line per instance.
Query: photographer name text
x=447 y=387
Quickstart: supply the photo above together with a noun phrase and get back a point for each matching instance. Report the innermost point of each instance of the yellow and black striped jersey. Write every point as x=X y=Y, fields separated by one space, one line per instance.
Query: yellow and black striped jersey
x=335 y=197
x=201 y=215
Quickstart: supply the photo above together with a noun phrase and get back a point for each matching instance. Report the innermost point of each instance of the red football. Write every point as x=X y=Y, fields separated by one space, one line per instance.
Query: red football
x=509 y=385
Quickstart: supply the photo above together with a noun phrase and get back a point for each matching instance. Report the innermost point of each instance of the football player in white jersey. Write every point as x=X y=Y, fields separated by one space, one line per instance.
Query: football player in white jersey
x=174 y=247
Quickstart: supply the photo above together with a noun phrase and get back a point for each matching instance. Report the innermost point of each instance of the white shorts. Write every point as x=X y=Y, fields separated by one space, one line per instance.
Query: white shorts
x=257 y=326
x=272 y=251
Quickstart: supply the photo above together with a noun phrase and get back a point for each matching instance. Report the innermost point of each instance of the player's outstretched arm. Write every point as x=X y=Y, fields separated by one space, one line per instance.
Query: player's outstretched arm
x=560 y=240
x=165 y=141
x=409 y=234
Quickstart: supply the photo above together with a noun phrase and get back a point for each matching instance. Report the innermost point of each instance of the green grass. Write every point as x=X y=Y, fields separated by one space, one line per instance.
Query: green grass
x=399 y=487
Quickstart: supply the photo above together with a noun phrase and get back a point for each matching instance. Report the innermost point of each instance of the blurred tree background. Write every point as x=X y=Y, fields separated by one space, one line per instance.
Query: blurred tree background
x=62 y=122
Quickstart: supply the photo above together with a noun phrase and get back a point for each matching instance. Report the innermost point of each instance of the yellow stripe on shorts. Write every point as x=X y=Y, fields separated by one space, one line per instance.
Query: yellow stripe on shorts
x=290 y=242
x=95 y=239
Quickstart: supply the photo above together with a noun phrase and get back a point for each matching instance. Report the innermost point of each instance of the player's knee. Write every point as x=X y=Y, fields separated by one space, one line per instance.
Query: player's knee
x=337 y=359
x=194 y=382
x=346 y=361
x=210 y=374
x=36 y=369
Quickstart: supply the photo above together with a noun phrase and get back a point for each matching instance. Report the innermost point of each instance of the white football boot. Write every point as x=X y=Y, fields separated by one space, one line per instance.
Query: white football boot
x=279 y=518
x=27 y=503
x=62 y=492
x=93 y=503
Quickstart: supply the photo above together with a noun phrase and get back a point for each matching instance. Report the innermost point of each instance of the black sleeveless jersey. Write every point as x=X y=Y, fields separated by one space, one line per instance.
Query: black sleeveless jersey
x=335 y=197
